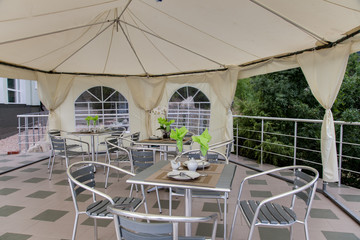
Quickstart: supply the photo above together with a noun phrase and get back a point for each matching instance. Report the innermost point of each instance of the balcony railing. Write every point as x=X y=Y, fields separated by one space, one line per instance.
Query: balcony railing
x=31 y=129
x=263 y=141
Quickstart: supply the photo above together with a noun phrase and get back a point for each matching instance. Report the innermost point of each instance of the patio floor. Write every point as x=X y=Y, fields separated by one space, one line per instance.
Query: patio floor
x=32 y=207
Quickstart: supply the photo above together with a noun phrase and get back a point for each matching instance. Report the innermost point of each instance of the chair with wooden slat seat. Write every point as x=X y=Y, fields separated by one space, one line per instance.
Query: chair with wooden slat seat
x=270 y=213
x=140 y=226
x=81 y=178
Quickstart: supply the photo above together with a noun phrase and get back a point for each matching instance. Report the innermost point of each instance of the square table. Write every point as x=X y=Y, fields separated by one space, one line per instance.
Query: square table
x=219 y=179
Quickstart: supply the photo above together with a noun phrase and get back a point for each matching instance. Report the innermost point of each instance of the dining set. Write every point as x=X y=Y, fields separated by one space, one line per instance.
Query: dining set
x=187 y=175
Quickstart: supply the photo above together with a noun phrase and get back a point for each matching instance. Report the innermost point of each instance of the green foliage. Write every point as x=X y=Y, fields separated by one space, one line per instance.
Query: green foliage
x=94 y=119
x=165 y=124
x=287 y=94
x=178 y=134
x=203 y=140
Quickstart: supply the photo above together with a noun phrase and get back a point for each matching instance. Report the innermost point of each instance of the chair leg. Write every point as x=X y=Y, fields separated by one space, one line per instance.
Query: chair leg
x=107 y=177
x=220 y=210
x=52 y=166
x=225 y=216
x=95 y=230
x=233 y=221
x=51 y=155
x=75 y=226
x=306 y=230
x=158 y=199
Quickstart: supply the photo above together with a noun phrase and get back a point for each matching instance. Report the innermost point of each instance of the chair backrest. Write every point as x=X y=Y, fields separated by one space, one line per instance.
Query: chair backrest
x=212 y=155
x=142 y=158
x=57 y=143
x=111 y=144
x=303 y=179
x=81 y=177
x=117 y=131
x=136 y=226
x=135 y=136
x=227 y=144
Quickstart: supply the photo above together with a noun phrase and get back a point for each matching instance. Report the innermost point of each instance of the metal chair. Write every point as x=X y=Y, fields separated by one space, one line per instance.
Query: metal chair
x=115 y=132
x=227 y=144
x=271 y=214
x=81 y=178
x=142 y=158
x=115 y=154
x=130 y=229
x=214 y=157
x=62 y=147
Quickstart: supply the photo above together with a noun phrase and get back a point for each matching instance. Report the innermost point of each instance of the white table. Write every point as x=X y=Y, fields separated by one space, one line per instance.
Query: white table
x=92 y=136
x=223 y=185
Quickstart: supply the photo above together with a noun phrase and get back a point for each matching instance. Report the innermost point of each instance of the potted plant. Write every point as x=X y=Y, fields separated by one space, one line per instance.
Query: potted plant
x=203 y=140
x=165 y=126
x=88 y=119
x=178 y=134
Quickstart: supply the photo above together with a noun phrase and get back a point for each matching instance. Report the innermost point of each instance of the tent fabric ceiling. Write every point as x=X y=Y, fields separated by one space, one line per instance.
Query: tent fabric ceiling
x=151 y=37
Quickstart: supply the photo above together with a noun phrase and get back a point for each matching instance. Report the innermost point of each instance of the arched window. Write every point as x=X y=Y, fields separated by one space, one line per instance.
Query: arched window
x=189 y=107
x=110 y=105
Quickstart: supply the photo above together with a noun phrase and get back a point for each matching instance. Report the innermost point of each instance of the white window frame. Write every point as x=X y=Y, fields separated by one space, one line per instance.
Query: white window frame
x=188 y=113
x=16 y=90
x=121 y=116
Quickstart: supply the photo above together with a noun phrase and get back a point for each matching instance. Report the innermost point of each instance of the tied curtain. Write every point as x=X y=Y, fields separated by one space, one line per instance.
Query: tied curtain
x=53 y=89
x=324 y=71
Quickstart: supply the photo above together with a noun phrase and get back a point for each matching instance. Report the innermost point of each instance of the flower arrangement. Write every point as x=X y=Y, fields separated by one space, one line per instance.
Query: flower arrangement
x=178 y=134
x=90 y=118
x=165 y=125
x=203 y=140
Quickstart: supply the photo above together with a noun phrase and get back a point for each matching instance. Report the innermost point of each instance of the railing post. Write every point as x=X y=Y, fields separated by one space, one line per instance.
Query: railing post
x=295 y=142
x=262 y=140
x=19 y=135
x=26 y=133
x=340 y=153
x=237 y=139
x=33 y=130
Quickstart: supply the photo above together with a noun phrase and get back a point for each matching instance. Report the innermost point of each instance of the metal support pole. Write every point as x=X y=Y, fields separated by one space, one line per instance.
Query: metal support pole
x=295 y=142
x=26 y=133
x=262 y=140
x=19 y=134
x=237 y=139
x=340 y=153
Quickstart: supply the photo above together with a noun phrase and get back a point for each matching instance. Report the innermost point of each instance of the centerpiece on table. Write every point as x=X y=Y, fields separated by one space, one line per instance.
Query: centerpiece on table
x=203 y=140
x=178 y=135
x=165 y=126
x=94 y=119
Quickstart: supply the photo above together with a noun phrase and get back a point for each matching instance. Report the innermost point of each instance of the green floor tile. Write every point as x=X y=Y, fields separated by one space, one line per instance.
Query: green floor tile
x=4 y=160
x=14 y=236
x=30 y=170
x=212 y=207
x=7 y=191
x=257 y=182
x=287 y=173
x=6 y=178
x=58 y=171
x=262 y=194
x=3 y=169
x=7 y=210
x=101 y=184
x=274 y=233
x=40 y=194
x=165 y=204
x=35 y=180
x=99 y=222
x=205 y=229
x=63 y=183
x=350 y=198
x=50 y=215
x=81 y=198
x=339 y=235
x=116 y=175
x=249 y=172
x=322 y=213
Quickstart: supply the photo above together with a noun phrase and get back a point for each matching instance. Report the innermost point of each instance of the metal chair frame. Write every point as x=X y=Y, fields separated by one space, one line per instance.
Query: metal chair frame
x=61 y=148
x=268 y=213
x=169 y=228
x=81 y=177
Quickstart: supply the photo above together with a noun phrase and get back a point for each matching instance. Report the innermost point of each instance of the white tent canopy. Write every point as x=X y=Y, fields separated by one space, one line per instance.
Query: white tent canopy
x=70 y=46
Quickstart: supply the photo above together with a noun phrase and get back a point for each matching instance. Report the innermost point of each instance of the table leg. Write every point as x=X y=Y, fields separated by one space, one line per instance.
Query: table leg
x=188 y=207
x=93 y=148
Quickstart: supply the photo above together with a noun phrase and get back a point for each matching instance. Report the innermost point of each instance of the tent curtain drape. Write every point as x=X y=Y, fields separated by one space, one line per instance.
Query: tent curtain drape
x=324 y=71
x=147 y=94
x=53 y=89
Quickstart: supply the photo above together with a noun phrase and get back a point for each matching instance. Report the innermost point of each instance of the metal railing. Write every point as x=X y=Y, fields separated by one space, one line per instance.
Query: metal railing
x=262 y=136
x=31 y=129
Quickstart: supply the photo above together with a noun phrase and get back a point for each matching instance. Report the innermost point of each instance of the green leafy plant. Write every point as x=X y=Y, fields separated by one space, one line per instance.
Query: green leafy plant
x=165 y=124
x=178 y=134
x=203 y=140
x=95 y=119
x=88 y=119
